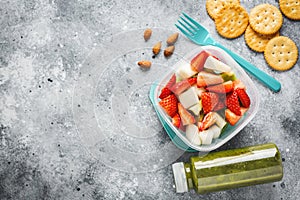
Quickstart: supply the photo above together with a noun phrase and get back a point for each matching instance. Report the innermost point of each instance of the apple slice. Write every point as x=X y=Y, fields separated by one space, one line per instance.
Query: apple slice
x=196 y=108
x=206 y=136
x=206 y=78
x=192 y=134
x=216 y=65
x=185 y=71
x=216 y=130
x=189 y=98
x=220 y=122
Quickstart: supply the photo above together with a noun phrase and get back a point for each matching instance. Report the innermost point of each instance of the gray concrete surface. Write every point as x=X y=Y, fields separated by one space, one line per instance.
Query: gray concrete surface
x=76 y=121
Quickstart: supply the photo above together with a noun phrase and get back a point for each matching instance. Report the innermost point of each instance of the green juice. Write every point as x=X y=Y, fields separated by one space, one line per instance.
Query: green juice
x=229 y=169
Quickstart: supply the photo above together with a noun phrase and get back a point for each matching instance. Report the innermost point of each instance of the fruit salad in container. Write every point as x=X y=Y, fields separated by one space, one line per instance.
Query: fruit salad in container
x=207 y=98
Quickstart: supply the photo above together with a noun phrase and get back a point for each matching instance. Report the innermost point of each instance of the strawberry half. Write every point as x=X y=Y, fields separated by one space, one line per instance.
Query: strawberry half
x=232 y=118
x=169 y=104
x=197 y=63
x=181 y=86
x=221 y=88
x=207 y=122
x=209 y=101
x=186 y=117
x=205 y=79
x=176 y=120
x=243 y=97
x=232 y=102
x=192 y=80
x=166 y=90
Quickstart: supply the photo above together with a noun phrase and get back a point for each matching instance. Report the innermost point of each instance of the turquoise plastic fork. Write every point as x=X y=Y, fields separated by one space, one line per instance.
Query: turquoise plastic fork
x=199 y=35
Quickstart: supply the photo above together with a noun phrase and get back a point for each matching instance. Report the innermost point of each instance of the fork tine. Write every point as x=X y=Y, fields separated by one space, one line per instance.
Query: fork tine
x=192 y=20
x=188 y=34
x=188 y=23
x=186 y=28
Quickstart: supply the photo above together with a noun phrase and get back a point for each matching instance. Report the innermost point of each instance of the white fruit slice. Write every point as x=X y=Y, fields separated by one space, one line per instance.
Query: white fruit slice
x=192 y=134
x=214 y=64
x=206 y=136
x=185 y=71
x=219 y=120
x=188 y=98
x=216 y=130
x=196 y=108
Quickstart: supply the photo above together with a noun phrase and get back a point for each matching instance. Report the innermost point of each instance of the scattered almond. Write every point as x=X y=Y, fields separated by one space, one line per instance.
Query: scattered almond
x=172 y=39
x=144 y=64
x=147 y=34
x=169 y=51
x=156 y=48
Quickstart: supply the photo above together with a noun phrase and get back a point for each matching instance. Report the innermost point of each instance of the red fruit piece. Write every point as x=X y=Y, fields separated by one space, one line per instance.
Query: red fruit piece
x=176 y=120
x=186 y=117
x=181 y=86
x=198 y=61
x=192 y=80
x=205 y=79
x=166 y=90
x=207 y=122
x=243 y=97
x=209 y=101
x=169 y=104
x=232 y=118
x=232 y=102
x=221 y=88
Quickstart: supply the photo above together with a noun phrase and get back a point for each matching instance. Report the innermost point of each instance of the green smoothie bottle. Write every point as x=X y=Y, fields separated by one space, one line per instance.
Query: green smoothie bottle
x=229 y=169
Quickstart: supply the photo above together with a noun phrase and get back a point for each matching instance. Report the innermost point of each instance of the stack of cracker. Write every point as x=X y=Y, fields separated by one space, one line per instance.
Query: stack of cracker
x=261 y=28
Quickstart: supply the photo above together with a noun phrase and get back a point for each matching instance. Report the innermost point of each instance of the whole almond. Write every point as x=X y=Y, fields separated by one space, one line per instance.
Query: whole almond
x=147 y=34
x=169 y=50
x=156 y=48
x=172 y=39
x=144 y=64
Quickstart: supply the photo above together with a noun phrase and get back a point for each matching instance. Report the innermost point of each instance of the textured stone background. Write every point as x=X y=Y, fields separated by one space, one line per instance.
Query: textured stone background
x=44 y=47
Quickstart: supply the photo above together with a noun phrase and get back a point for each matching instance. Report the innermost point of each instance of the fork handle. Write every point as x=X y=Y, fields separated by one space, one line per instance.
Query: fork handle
x=266 y=79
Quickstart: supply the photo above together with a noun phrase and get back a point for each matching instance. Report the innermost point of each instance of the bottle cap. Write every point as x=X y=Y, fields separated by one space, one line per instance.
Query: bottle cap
x=180 y=177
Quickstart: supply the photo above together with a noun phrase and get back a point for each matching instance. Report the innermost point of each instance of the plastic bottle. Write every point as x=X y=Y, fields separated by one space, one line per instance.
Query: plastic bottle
x=229 y=169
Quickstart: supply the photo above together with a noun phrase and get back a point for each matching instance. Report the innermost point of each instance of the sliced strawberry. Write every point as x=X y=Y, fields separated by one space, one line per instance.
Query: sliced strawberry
x=205 y=79
x=243 y=97
x=186 y=117
x=238 y=84
x=208 y=120
x=232 y=102
x=169 y=104
x=176 y=120
x=232 y=118
x=166 y=90
x=221 y=88
x=192 y=80
x=209 y=101
x=198 y=61
x=181 y=86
